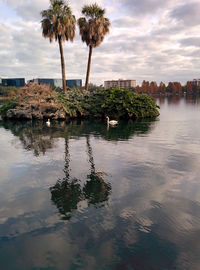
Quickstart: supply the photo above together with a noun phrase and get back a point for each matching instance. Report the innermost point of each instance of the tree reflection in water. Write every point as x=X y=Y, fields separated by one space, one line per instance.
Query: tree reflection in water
x=96 y=190
x=67 y=193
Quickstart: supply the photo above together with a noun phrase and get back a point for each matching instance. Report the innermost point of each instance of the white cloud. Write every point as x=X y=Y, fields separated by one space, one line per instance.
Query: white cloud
x=147 y=41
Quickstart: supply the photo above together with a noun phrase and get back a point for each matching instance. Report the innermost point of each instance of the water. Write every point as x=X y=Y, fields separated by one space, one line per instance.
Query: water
x=82 y=196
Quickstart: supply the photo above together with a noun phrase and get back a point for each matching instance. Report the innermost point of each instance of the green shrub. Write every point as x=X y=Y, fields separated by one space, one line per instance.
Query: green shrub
x=74 y=102
x=114 y=102
x=122 y=103
x=7 y=106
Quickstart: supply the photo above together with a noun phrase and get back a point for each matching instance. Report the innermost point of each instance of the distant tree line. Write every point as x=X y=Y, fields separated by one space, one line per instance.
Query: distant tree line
x=172 y=88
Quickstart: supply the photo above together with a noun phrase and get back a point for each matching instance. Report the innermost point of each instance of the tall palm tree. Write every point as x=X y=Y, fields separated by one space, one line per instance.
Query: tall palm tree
x=59 y=23
x=93 y=28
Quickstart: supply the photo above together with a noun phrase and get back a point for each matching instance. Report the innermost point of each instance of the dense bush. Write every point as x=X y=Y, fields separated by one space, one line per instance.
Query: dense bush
x=114 y=102
x=122 y=103
x=75 y=102
x=7 y=106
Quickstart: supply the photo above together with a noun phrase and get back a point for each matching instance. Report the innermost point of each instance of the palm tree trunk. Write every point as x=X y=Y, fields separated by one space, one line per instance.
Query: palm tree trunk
x=62 y=64
x=88 y=68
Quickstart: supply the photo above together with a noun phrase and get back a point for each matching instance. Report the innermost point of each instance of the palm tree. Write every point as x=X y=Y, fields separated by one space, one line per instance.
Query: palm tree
x=59 y=23
x=93 y=28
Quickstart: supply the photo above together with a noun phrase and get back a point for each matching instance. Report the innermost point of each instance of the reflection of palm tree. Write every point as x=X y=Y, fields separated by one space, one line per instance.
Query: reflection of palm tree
x=96 y=190
x=66 y=194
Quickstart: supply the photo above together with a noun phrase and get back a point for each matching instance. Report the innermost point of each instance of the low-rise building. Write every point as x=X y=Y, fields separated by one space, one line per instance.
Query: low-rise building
x=16 y=82
x=51 y=82
x=58 y=82
x=74 y=83
x=120 y=83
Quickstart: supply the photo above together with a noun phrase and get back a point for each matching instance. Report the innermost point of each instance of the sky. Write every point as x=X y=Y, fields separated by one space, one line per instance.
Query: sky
x=152 y=40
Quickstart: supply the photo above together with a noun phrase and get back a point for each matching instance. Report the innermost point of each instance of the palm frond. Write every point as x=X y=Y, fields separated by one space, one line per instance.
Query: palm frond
x=58 y=21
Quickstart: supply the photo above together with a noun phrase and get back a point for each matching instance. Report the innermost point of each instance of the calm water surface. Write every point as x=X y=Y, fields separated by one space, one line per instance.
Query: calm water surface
x=82 y=196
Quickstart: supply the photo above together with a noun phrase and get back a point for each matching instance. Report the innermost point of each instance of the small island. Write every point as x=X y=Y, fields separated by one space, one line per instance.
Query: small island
x=41 y=102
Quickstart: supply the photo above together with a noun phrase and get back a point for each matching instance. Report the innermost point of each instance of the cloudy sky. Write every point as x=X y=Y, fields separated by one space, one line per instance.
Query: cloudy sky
x=149 y=40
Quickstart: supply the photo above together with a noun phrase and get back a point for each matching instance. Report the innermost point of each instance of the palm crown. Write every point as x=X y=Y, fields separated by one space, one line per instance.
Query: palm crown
x=94 y=26
x=58 y=21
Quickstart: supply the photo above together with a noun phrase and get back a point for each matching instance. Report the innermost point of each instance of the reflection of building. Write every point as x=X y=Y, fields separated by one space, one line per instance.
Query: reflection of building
x=195 y=82
x=120 y=83
x=17 y=82
x=58 y=82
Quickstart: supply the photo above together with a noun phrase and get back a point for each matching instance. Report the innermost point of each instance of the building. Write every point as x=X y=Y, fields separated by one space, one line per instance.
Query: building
x=51 y=82
x=120 y=83
x=195 y=82
x=16 y=82
x=74 y=83
x=58 y=82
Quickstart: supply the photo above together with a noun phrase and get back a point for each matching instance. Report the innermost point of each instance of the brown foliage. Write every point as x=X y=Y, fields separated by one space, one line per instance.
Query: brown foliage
x=35 y=93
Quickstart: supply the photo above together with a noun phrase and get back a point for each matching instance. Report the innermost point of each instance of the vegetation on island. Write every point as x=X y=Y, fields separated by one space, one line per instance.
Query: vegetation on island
x=122 y=103
x=41 y=102
x=114 y=102
x=11 y=104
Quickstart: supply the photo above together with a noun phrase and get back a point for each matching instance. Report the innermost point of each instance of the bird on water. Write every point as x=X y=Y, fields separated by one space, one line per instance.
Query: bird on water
x=111 y=122
x=48 y=123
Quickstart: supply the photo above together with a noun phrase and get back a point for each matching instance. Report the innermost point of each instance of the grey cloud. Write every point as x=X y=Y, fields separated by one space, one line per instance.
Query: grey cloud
x=193 y=41
x=28 y=10
x=127 y=22
x=143 y=6
x=165 y=31
x=31 y=10
x=188 y=14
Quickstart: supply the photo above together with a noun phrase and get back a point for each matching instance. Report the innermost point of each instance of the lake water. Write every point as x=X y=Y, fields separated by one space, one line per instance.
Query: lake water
x=81 y=195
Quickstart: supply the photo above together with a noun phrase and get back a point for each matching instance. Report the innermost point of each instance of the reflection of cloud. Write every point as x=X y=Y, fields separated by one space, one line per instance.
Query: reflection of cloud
x=8 y=154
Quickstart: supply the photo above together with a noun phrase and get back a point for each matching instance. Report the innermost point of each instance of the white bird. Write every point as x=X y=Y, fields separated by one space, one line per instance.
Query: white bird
x=111 y=122
x=48 y=123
